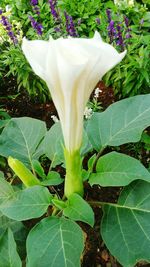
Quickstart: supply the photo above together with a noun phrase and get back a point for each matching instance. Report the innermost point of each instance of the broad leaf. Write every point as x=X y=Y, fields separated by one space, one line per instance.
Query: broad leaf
x=6 y=190
x=79 y=210
x=53 y=144
x=27 y=204
x=116 y=169
x=21 y=137
x=8 y=253
x=6 y=223
x=121 y=123
x=125 y=226
x=18 y=229
x=58 y=241
x=53 y=178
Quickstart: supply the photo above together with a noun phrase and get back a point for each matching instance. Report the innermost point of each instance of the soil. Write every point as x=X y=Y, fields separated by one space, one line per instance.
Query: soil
x=95 y=253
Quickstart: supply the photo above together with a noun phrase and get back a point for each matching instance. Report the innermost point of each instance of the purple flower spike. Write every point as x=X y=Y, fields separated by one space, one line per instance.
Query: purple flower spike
x=9 y=30
x=111 y=30
x=54 y=12
x=1 y=11
x=128 y=36
x=126 y=20
x=36 y=26
x=108 y=12
x=119 y=41
x=70 y=27
x=57 y=29
x=97 y=21
x=34 y=2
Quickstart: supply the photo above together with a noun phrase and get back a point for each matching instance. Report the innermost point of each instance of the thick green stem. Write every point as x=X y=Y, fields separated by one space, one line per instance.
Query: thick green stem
x=73 y=179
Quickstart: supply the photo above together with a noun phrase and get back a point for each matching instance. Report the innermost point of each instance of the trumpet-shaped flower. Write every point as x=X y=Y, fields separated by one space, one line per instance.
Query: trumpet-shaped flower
x=71 y=68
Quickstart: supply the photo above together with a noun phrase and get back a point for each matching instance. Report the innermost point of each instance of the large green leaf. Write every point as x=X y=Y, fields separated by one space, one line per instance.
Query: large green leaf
x=6 y=190
x=79 y=210
x=8 y=253
x=6 y=223
x=125 y=226
x=121 y=123
x=58 y=241
x=18 y=229
x=26 y=204
x=53 y=144
x=116 y=169
x=21 y=137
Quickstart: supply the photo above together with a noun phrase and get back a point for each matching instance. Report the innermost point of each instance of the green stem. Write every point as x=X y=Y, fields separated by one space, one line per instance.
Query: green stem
x=97 y=158
x=73 y=179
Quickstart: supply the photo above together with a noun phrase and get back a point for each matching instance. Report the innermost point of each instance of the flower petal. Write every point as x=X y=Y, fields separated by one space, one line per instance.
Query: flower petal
x=36 y=52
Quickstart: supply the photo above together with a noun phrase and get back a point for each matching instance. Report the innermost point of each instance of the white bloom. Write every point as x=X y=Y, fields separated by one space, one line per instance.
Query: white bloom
x=71 y=68
x=88 y=113
x=124 y=2
x=96 y=92
x=8 y=8
x=54 y=118
x=131 y=2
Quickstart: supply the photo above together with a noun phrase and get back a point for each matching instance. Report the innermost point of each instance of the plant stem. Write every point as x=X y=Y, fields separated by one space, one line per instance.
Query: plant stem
x=97 y=157
x=73 y=179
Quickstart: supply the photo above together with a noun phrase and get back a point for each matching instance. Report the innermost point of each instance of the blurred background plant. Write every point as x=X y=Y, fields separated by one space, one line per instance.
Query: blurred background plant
x=125 y=24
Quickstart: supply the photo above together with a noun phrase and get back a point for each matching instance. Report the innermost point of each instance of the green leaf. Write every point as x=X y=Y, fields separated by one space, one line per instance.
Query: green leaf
x=53 y=178
x=53 y=144
x=38 y=169
x=20 y=139
x=116 y=169
x=59 y=242
x=27 y=204
x=8 y=253
x=6 y=190
x=18 y=229
x=121 y=123
x=125 y=226
x=79 y=210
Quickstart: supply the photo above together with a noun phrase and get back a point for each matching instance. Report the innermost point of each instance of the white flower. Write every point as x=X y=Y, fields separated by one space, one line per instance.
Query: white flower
x=96 y=92
x=71 y=68
x=54 y=118
x=131 y=2
x=124 y=2
x=88 y=113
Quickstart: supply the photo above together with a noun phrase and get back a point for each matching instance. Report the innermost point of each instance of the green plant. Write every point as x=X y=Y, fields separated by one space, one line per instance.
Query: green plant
x=60 y=214
x=56 y=234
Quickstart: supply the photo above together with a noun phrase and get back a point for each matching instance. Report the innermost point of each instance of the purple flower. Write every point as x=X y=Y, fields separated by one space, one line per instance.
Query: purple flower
x=119 y=40
x=9 y=30
x=54 y=12
x=128 y=35
x=127 y=30
x=57 y=29
x=108 y=12
x=1 y=11
x=111 y=30
x=97 y=21
x=36 y=26
x=36 y=9
x=34 y=2
x=126 y=20
x=70 y=27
